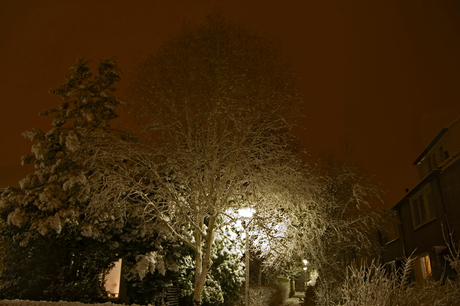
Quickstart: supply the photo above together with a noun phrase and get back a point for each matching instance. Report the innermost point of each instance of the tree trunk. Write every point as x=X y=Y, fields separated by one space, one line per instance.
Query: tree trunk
x=198 y=287
x=203 y=265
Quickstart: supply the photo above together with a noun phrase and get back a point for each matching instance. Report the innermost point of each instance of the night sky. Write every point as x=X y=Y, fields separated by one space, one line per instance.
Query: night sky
x=382 y=76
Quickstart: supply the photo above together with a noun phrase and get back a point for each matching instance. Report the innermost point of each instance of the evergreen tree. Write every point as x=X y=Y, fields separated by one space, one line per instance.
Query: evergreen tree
x=226 y=274
x=50 y=249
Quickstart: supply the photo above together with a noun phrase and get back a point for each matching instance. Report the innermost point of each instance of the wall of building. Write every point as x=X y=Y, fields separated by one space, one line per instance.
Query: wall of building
x=449 y=179
x=427 y=240
x=447 y=145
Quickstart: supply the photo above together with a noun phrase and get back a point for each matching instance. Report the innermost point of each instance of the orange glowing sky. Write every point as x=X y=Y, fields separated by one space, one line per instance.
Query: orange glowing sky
x=380 y=75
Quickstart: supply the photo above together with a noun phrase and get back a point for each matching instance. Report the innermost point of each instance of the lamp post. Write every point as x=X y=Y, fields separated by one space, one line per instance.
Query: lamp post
x=246 y=215
x=305 y=263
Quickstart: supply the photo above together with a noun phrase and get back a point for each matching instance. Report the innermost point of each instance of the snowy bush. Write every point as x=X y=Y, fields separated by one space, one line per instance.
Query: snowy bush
x=258 y=296
x=261 y=296
x=372 y=285
x=226 y=274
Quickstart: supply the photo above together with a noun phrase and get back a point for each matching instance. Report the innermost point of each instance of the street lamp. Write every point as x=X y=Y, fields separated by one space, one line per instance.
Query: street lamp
x=305 y=263
x=246 y=215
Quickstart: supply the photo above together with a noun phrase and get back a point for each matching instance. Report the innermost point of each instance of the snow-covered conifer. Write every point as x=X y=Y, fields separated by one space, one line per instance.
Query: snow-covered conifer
x=48 y=211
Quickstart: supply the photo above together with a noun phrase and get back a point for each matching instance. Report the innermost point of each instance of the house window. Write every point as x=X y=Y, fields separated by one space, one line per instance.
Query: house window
x=112 y=280
x=422 y=268
x=422 y=207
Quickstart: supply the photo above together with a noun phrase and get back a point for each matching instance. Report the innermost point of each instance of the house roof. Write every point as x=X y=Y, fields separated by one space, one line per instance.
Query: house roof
x=454 y=158
x=419 y=186
x=435 y=140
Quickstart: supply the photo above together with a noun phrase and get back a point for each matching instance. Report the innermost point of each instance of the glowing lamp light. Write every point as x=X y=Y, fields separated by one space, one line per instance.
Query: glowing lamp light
x=246 y=212
x=305 y=262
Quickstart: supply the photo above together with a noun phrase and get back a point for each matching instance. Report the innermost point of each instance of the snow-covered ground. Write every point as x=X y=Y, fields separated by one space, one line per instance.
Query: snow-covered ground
x=289 y=302
x=45 y=303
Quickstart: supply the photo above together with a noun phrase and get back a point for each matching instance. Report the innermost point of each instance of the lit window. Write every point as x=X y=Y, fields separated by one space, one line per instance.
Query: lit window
x=112 y=280
x=422 y=268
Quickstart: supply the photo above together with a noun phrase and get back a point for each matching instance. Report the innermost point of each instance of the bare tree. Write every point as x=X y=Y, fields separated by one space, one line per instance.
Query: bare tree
x=218 y=103
x=336 y=221
x=354 y=216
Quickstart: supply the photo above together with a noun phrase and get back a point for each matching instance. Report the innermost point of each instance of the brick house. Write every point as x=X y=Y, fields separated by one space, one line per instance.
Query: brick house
x=427 y=219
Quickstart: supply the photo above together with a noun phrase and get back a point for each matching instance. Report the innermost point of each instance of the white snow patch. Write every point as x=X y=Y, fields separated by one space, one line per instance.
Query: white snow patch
x=55 y=223
x=17 y=217
x=148 y=263
x=39 y=151
x=45 y=303
x=74 y=180
x=313 y=277
x=3 y=203
x=72 y=142
x=87 y=230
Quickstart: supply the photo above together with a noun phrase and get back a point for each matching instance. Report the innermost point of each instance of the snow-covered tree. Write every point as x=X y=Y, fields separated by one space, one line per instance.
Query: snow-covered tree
x=226 y=275
x=353 y=214
x=337 y=221
x=218 y=103
x=147 y=275
x=50 y=249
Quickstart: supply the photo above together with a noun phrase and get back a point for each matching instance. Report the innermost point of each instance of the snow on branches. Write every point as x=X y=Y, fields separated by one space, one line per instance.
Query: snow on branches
x=50 y=196
x=48 y=209
x=218 y=104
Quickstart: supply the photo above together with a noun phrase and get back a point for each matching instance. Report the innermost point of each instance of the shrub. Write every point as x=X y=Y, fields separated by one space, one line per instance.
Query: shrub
x=368 y=286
